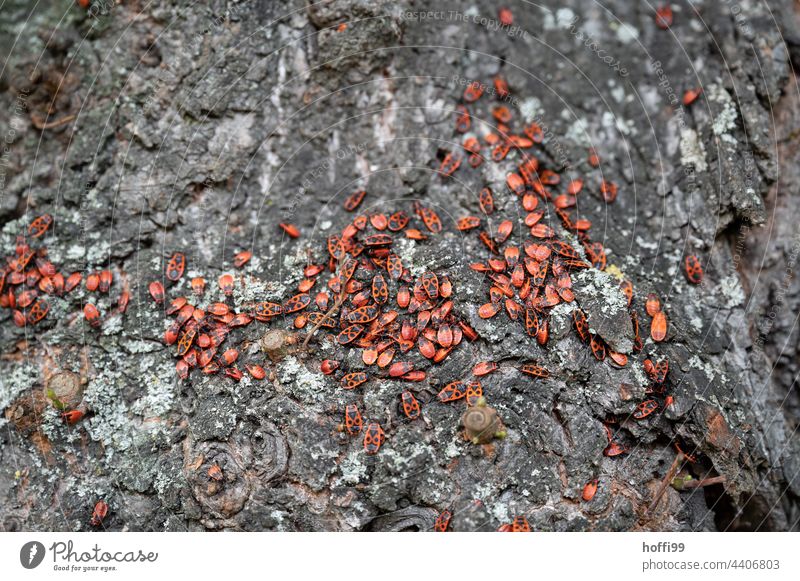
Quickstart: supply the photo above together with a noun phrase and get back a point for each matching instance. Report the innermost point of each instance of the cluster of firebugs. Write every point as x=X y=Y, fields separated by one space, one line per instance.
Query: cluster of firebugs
x=527 y=280
x=373 y=303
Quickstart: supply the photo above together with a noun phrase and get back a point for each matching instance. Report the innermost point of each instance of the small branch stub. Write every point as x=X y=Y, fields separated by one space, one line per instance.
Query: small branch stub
x=277 y=344
x=64 y=389
x=482 y=424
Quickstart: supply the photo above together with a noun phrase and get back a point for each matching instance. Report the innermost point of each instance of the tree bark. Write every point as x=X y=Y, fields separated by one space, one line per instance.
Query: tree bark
x=148 y=128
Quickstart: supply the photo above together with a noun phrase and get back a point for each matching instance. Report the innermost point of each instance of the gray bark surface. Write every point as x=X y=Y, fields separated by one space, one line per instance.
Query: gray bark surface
x=198 y=127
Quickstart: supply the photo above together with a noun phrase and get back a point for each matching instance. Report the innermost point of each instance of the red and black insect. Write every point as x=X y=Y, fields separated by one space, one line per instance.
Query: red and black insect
x=122 y=302
x=691 y=95
x=363 y=315
x=532 y=322
x=693 y=269
x=347 y=270
x=44 y=266
x=619 y=359
x=410 y=405
x=589 y=490
x=37 y=312
x=638 y=345
x=504 y=230
x=106 y=278
x=214 y=472
x=486 y=201
x=176 y=266
x=19 y=318
x=352 y=420
x=320 y=319
x=234 y=373
x=99 y=513
x=598 y=347
x=186 y=340
x=487 y=240
x=658 y=327
x=350 y=334
x=242 y=258
x=505 y=16
x=652 y=304
x=430 y=218
x=25 y=298
x=656 y=371
x=452 y=391
x=473 y=92
x=240 y=320
x=255 y=371
x=182 y=369
x=484 y=368
x=664 y=16
x=516 y=184
x=291 y=230
x=91 y=314
x=644 y=409
x=442 y=521
x=328 y=366
x=398 y=221
x=542 y=231
x=378 y=240
x=73 y=280
x=198 y=285
x=296 y=303
x=394 y=266
x=462 y=119
x=500 y=151
x=171 y=334
x=373 y=438
x=474 y=393
x=226 y=284
x=72 y=417
x=379 y=221
x=535 y=370
x=520 y=525
x=353 y=380
x=430 y=283
x=501 y=87
x=24 y=256
x=216 y=309
x=581 y=325
x=40 y=225
x=609 y=191
x=380 y=290
x=229 y=357
x=627 y=289
x=614 y=449
x=266 y=310
x=354 y=200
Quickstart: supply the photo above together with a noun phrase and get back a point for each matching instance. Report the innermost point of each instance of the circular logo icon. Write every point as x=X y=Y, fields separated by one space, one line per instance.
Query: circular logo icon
x=31 y=554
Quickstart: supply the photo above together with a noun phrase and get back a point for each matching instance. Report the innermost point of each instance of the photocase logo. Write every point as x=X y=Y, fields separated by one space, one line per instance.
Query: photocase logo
x=31 y=554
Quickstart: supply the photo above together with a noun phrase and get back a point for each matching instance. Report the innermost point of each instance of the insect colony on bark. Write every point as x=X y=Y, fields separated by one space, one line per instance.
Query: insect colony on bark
x=531 y=273
x=372 y=302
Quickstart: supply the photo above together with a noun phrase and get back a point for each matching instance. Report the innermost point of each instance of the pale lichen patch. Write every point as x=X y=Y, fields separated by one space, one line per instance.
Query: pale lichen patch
x=732 y=291
x=692 y=150
x=352 y=469
x=725 y=120
x=303 y=383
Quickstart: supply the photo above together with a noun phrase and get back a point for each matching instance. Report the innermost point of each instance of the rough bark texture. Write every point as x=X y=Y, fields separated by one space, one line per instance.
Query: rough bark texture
x=196 y=126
